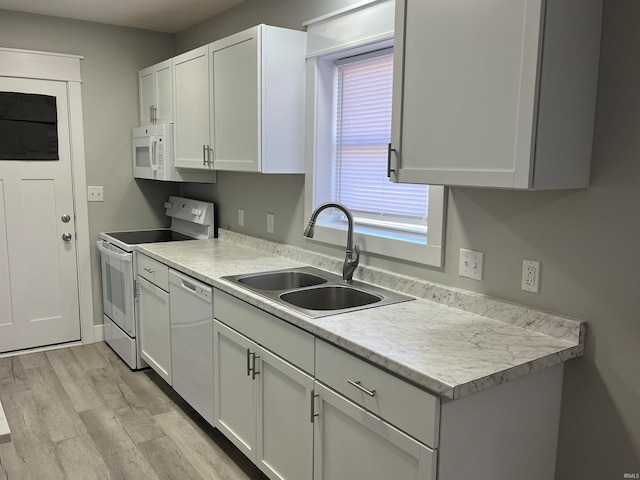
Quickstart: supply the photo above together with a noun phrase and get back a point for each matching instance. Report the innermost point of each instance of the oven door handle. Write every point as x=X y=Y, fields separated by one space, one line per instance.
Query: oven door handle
x=124 y=257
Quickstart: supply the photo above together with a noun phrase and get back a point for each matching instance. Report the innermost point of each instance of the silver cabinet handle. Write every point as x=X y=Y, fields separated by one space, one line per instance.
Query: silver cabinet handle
x=313 y=406
x=251 y=364
x=357 y=384
x=254 y=371
x=66 y=218
x=389 y=170
x=206 y=155
x=207 y=152
x=149 y=270
x=66 y=236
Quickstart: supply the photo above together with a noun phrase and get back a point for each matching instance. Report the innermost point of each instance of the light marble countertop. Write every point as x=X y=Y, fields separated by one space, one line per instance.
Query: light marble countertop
x=449 y=341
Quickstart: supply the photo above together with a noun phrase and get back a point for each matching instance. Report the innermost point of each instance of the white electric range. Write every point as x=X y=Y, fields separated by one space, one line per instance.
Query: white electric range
x=190 y=220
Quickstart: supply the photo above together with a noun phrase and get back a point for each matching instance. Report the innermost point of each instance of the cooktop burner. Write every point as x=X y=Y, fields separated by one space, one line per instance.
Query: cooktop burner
x=148 y=236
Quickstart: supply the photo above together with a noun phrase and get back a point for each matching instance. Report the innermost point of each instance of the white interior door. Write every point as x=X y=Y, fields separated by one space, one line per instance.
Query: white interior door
x=38 y=271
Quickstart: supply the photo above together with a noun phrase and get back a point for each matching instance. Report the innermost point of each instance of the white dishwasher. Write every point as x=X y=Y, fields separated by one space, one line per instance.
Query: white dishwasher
x=191 y=304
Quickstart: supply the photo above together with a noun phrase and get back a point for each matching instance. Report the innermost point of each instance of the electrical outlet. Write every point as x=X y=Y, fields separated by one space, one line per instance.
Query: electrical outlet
x=241 y=217
x=270 y=222
x=471 y=264
x=531 y=276
x=95 y=194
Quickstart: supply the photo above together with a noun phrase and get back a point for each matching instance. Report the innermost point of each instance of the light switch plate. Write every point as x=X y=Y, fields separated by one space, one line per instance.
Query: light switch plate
x=471 y=264
x=95 y=193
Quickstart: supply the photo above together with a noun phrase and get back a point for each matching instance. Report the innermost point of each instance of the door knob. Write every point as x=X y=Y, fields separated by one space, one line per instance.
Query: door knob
x=66 y=236
x=66 y=218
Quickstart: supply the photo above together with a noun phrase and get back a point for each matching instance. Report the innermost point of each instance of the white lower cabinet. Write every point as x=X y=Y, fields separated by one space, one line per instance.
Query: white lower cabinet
x=263 y=405
x=303 y=409
x=351 y=443
x=155 y=329
x=155 y=326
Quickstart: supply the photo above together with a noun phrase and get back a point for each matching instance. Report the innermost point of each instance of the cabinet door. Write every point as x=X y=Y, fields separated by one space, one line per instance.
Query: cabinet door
x=234 y=388
x=236 y=116
x=155 y=329
x=465 y=95
x=146 y=94
x=285 y=430
x=164 y=93
x=350 y=442
x=191 y=109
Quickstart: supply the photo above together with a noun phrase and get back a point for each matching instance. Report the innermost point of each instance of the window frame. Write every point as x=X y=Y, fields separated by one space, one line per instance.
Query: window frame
x=320 y=132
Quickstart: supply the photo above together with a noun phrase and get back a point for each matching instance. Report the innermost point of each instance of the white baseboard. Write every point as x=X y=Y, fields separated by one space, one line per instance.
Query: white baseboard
x=98 y=333
x=5 y=433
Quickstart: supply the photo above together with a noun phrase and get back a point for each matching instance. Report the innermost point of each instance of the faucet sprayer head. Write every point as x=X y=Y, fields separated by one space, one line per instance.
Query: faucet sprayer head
x=308 y=232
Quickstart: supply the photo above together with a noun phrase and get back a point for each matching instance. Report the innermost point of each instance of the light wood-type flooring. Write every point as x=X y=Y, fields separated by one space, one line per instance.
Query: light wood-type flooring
x=81 y=413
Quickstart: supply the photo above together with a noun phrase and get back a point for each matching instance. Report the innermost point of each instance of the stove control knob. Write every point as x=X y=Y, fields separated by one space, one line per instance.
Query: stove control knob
x=196 y=211
x=66 y=236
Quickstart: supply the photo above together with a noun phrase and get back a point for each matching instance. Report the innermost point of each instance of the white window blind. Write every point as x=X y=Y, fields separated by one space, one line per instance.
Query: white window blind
x=363 y=131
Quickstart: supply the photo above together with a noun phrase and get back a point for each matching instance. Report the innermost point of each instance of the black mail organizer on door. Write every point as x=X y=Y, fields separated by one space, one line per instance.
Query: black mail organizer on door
x=28 y=127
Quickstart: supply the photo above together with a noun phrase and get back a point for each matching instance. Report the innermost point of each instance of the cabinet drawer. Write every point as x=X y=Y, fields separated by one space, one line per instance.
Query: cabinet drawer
x=154 y=271
x=282 y=338
x=409 y=408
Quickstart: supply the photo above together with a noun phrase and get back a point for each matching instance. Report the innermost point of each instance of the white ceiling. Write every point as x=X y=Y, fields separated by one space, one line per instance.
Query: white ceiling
x=170 y=16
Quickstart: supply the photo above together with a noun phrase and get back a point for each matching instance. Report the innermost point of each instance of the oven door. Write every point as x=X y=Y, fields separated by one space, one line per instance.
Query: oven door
x=118 y=287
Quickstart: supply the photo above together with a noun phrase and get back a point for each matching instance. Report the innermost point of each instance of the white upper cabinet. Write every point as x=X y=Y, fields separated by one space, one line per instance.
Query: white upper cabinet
x=495 y=93
x=191 y=107
x=257 y=101
x=155 y=85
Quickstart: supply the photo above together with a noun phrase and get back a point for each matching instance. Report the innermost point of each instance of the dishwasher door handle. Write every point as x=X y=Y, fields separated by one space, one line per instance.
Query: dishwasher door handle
x=188 y=286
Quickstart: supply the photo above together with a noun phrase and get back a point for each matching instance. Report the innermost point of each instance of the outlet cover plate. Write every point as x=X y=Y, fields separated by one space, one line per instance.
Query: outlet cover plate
x=471 y=264
x=531 y=276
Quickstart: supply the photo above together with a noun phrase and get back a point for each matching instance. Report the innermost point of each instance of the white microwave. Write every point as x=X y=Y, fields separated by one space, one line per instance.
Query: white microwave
x=153 y=156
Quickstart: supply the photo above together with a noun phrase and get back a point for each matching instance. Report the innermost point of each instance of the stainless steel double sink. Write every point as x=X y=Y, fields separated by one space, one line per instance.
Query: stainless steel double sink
x=316 y=293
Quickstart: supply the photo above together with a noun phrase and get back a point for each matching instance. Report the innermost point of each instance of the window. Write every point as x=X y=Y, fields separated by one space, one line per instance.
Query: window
x=364 y=87
x=348 y=127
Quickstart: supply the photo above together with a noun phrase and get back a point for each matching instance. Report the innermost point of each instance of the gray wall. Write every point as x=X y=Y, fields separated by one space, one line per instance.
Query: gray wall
x=585 y=240
x=112 y=58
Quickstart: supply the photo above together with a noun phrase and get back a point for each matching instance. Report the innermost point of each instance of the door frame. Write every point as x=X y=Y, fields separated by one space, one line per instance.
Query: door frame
x=66 y=68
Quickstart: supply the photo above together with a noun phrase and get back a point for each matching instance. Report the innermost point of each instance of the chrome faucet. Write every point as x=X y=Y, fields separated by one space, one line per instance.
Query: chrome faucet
x=350 y=260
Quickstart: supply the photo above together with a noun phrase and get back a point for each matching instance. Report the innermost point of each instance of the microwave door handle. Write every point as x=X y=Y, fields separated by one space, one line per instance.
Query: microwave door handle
x=153 y=141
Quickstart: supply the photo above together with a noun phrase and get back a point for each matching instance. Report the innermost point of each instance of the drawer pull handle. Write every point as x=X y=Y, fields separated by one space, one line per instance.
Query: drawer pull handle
x=149 y=270
x=371 y=393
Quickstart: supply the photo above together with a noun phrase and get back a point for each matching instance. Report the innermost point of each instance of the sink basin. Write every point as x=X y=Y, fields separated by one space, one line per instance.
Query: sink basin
x=314 y=292
x=285 y=280
x=333 y=297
